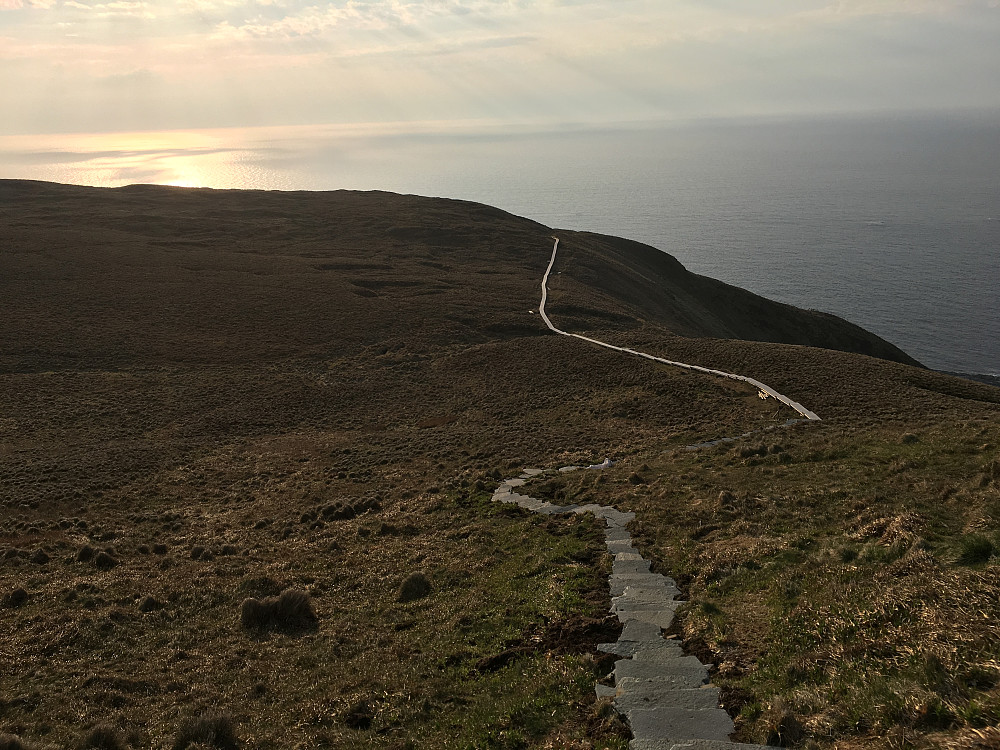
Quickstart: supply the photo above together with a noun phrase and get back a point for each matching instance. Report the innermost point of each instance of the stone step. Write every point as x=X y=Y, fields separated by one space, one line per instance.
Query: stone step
x=680 y=724
x=625 y=605
x=630 y=567
x=658 y=653
x=628 y=555
x=662 y=618
x=664 y=744
x=620 y=545
x=686 y=671
x=603 y=691
x=642 y=580
x=635 y=630
x=643 y=650
x=615 y=517
x=694 y=699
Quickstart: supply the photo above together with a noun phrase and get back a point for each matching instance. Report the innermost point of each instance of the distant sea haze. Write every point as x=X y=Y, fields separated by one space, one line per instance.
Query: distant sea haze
x=893 y=223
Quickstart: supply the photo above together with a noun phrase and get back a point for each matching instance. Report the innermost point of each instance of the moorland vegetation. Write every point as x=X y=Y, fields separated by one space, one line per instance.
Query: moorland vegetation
x=247 y=446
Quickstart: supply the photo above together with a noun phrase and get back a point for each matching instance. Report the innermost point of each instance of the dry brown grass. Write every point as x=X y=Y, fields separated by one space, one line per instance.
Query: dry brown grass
x=318 y=391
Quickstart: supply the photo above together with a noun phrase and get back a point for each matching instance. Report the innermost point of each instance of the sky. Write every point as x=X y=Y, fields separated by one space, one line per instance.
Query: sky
x=78 y=66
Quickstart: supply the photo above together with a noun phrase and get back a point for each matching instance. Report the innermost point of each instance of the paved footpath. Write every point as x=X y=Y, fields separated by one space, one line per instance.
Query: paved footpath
x=765 y=391
x=663 y=695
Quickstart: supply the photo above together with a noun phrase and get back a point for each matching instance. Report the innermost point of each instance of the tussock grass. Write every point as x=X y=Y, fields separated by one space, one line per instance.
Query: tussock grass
x=975 y=549
x=103 y=737
x=414 y=586
x=835 y=583
x=290 y=611
x=213 y=730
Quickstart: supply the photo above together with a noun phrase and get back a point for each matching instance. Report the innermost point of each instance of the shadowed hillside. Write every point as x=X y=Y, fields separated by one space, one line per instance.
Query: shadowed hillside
x=652 y=286
x=211 y=398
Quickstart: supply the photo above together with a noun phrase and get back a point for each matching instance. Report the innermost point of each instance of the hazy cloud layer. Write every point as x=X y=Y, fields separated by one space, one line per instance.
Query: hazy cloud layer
x=149 y=64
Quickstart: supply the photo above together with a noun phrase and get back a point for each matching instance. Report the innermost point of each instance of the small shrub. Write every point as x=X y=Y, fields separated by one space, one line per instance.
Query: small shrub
x=104 y=561
x=12 y=742
x=16 y=598
x=150 y=604
x=103 y=737
x=847 y=554
x=255 y=615
x=359 y=716
x=159 y=549
x=291 y=611
x=197 y=551
x=213 y=729
x=781 y=726
x=975 y=548
x=85 y=554
x=414 y=586
x=909 y=438
x=39 y=557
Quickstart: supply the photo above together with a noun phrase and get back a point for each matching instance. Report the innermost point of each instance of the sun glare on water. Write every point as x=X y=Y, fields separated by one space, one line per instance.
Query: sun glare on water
x=217 y=159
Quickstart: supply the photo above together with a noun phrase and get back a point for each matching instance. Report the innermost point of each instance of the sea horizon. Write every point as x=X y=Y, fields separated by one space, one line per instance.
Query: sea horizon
x=890 y=222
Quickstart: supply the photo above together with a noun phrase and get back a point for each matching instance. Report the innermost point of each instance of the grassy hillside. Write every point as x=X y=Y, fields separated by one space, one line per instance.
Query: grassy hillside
x=208 y=397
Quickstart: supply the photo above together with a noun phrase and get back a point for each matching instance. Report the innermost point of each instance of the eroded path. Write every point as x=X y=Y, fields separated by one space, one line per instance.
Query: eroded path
x=663 y=694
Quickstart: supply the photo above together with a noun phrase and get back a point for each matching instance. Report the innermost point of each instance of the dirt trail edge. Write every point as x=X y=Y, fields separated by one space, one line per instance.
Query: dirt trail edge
x=764 y=390
x=663 y=694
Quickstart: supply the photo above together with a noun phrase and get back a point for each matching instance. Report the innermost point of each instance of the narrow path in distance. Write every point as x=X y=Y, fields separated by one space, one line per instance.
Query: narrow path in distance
x=811 y=416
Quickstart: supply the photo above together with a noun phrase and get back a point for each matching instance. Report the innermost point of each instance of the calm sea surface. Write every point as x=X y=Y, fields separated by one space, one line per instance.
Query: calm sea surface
x=892 y=224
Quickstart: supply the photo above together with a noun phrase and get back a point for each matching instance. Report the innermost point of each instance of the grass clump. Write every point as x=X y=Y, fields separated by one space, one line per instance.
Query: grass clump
x=975 y=549
x=16 y=598
x=103 y=737
x=213 y=729
x=414 y=586
x=290 y=611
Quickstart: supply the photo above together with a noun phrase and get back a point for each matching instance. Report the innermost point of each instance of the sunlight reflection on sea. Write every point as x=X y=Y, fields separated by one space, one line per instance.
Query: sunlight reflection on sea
x=890 y=224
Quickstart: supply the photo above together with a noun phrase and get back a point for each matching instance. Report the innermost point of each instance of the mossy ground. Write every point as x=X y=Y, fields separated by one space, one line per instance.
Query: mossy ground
x=843 y=580
x=226 y=394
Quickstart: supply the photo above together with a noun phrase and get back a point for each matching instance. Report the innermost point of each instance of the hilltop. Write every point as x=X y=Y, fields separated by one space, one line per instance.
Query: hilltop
x=232 y=393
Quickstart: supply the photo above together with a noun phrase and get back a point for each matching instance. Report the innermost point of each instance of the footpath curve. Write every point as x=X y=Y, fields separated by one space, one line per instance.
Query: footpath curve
x=663 y=694
x=763 y=389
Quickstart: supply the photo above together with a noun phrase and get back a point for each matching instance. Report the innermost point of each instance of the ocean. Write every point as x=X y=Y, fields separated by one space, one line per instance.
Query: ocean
x=892 y=223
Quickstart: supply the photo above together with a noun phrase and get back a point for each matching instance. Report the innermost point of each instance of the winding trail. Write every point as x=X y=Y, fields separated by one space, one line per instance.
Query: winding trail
x=763 y=389
x=663 y=694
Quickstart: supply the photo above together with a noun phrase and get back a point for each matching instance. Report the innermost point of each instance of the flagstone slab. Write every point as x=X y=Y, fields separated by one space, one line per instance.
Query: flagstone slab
x=663 y=618
x=635 y=630
x=680 y=723
x=660 y=691
x=693 y=699
x=690 y=674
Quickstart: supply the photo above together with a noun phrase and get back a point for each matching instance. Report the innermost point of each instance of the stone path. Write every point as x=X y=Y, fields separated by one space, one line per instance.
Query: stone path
x=763 y=390
x=663 y=695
